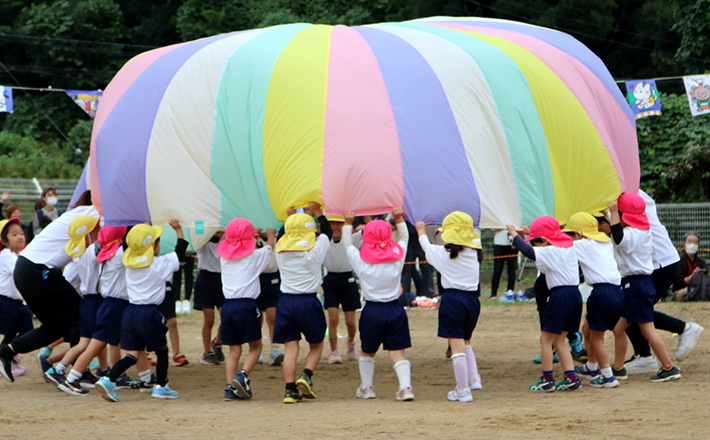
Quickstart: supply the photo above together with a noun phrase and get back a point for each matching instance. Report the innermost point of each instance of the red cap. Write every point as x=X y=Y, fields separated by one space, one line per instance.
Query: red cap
x=378 y=246
x=238 y=241
x=110 y=240
x=548 y=227
x=633 y=211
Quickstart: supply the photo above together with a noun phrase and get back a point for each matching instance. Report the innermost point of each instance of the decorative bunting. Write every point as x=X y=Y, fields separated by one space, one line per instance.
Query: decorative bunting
x=643 y=97
x=5 y=99
x=697 y=88
x=88 y=100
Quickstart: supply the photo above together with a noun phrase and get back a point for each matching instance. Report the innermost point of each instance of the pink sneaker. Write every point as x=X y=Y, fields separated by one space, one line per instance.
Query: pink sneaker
x=460 y=396
x=335 y=358
x=405 y=394
x=352 y=351
x=365 y=392
x=17 y=369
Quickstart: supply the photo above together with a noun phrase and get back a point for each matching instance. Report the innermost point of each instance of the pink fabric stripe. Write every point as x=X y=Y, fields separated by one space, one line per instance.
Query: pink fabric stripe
x=610 y=121
x=362 y=165
x=113 y=93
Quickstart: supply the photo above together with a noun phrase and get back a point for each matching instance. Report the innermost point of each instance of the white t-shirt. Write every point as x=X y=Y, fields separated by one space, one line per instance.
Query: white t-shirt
x=207 y=258
x=240 y=277
x=597 y=262
x=301 y=270
x=7 y=282
x=635 y=252
x=664 y=253
x=147 y=284
x=112 y=282
x=460 y=273
x=380 y=281
x=559 y=265
x=48 y=247
x=501 y=238
x=337 y=258
x=88 y=269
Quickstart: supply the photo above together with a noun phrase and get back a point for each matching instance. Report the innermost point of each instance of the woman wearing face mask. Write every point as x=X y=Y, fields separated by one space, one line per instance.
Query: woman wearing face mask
x=48 y=213
x=689 y=264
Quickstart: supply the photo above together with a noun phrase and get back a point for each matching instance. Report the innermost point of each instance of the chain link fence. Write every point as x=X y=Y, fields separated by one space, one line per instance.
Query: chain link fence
x=24 y=192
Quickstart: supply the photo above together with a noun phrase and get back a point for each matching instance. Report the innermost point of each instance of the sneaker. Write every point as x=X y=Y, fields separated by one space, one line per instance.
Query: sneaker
x=620 y=374
x=45 y=351
x=405 y=394
x=277 y=357
x=178 y=307
x=448 y=352
x=126 y=383
x=145 y=387
x=164 y=392
x=365 y=392
x=151 y=362
x=102 y=373
x=291 y=396
x=335 y=358
x=179 y=360
x=460 y=396
x=507 y=298
x=305 y=386
x=352 y=351
x=555 y=359
x=577 y=350
x=229 y=394
x=186 y=307
x=88 y=380
x=107 y=389
x=54 y=377
x=261 y=359
x=688 y=340
x=93 y=364
x=217 y=349
x=542 y=385
x=664 y=375
x=520 y=297
x=641 y=365
x=73 y=388
x=475 y=384
x=568 y=384
x=44 y=365
x=209 y=359
x=604 y=382
x=16 y=368
x=585 y=372
x=6 y=365
x=241 y=385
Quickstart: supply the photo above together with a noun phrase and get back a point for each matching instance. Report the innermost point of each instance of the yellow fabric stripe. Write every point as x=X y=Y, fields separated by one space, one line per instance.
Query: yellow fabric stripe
x=583 y=174
x=294 y=121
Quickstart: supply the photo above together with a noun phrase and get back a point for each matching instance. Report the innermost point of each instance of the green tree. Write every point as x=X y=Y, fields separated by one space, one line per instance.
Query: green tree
x=692 y=23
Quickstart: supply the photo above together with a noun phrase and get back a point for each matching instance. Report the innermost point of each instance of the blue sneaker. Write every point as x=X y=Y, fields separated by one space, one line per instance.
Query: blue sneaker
x=584 y=371
x=229 y=394
x=94 y=364
x=45 y=351
x=604 y=382
x=507 y=298
x=52 y=376
x=164 y=392
x=555 y=359
x=578 y=351
x=568 y=384
x=127 y=383
x=241 y=385
x=107 y=389
x=44 y=365
x=542 y=385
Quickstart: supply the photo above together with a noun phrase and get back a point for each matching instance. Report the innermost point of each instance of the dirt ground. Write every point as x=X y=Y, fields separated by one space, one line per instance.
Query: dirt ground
x=505 y=342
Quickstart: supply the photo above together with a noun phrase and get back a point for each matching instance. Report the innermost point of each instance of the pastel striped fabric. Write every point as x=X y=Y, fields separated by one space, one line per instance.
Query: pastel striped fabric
x=502 y=120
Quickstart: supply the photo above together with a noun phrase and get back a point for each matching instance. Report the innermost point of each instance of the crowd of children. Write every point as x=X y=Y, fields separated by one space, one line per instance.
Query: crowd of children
x=123 y=300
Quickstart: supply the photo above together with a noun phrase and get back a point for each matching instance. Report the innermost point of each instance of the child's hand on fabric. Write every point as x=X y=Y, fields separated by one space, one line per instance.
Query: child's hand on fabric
x=398 y=214
x=315 y=209
x=421 y=228
x=290 y=211
x=511 y=230
x=175 y=225
x=613 y=206
x=349 y=218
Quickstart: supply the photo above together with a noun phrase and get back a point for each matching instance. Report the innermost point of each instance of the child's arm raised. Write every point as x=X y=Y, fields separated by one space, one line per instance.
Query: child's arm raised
x=325 y=227
x=347 y=238
x=271 y=237
x=520 y=244
x=181 y=245
x=617 y=232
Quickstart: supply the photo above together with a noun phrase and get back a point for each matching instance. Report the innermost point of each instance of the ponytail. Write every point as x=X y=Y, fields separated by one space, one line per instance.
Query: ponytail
x=453 y=249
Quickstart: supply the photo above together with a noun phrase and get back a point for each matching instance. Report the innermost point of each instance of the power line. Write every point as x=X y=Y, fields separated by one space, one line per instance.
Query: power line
x=85 y=42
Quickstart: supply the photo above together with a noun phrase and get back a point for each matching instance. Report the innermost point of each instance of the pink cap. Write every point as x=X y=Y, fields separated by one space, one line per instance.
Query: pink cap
x=633 y=211
x=238 y=241
x=110 y=240
x=548 y=227
x=378 y=246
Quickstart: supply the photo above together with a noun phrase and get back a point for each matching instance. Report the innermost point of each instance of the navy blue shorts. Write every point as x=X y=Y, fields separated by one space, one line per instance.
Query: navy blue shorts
x=564 y=310
x=341 y=288
x=208 y=290
x=270 y=290
x=458 y=313
x=87 y=310
x=167 y=307
x=108 y=320
x=143 y=328
x=384 y=324
x=240 y=321
x=639 y=297
x=296 y=314
x=15 y=317
x=604 y=306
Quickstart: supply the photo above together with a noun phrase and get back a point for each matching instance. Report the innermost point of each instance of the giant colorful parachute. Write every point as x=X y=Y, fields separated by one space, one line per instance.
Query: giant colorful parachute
x=503 y=120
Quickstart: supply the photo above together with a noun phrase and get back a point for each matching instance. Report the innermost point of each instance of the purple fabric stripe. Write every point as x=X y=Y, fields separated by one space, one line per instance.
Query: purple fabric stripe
x=437 y=176
x=80 y=186
x=122 y=143
x=566 y=43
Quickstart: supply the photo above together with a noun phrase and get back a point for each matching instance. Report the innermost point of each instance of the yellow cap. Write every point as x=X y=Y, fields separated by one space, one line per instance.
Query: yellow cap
x=457 y=228
x=140 y=241
x=587 y=225
x=299 y=234
x=335 y=218
x=79 y=228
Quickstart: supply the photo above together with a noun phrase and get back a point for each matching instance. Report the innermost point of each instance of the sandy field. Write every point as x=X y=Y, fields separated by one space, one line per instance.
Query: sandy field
x=505 y=342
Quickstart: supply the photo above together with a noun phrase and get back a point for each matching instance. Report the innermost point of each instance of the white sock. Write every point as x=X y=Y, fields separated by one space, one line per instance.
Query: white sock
x=473 y=375
x=592 y=367
x=73 y=376
x=404 y=373
x=606 y=372
x=61 y=367
x=367 y=370
x=144 y=376
x=460 y=371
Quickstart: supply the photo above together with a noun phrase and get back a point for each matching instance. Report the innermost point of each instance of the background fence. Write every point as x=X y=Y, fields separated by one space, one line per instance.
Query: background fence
x=679 y=219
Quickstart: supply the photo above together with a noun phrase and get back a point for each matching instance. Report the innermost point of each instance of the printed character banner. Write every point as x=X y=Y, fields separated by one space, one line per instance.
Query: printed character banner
x=643 y=97
x=88 y=100
x=697 y=88
x=5 y=99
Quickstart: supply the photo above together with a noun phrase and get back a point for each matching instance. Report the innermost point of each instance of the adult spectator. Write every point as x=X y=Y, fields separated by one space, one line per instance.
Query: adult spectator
x=13 y=211
x=47 y=213
x=502 y=247
x=689 y=264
